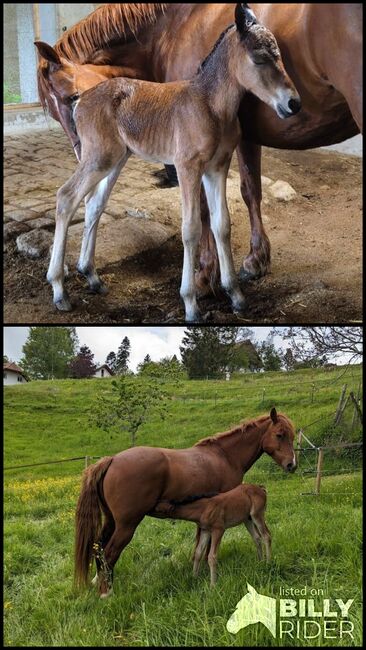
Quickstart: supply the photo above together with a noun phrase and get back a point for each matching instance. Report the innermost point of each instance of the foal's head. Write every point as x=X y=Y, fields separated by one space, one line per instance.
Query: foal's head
x=278 y=441
x=262 y=71
x=60 y=82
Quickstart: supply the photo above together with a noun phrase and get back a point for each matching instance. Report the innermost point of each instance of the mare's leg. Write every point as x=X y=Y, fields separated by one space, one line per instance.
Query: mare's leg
x=198 y=535
x=208 y=274
x=216 y=536
x=252 y=529
x=106 y=534
x=121 y=537
x=95 y=203
x=215 y=186
x=190 y=183
x=258 y=519
x=258 y=262
x=200 y=549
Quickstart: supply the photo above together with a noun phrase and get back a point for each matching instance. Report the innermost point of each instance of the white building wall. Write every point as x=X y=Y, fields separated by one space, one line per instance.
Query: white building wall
x=98 y=373
x=11 y=378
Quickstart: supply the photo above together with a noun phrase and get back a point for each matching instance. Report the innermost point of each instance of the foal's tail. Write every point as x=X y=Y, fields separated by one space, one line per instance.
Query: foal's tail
x=88 y=520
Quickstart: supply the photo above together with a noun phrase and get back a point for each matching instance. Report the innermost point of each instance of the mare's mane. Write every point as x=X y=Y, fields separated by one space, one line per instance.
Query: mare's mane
x=101 y=29
x=242 y=428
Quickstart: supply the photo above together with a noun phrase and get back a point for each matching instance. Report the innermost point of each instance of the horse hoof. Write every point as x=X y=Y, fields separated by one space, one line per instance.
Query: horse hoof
x=107 y=594
x=195 y=318
x=240 y=309
x=99 y=288
x=247 y=276
x=63 y=304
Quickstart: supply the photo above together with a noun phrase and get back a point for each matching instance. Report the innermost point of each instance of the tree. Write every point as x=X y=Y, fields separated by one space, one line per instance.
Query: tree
x=123 y=355
x=5 y=359
x=329 y=342
x=206 y=351
x=48 y=351
x=83 y=366
x=132 y=403
x=289 y=359
x=167 y=368
x=111 y=361
x=270 y=357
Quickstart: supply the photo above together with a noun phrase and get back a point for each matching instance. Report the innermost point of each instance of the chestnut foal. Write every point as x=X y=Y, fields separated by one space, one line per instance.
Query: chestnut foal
x=191 y=124
x=245 y=504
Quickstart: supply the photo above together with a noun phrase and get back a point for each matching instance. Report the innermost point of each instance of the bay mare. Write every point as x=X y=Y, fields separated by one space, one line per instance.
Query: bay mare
x=127 y=486
x=321 y=45
x=191 y=124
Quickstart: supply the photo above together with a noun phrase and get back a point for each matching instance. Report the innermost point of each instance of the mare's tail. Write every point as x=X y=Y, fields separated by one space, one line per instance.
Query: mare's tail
x=88 y=520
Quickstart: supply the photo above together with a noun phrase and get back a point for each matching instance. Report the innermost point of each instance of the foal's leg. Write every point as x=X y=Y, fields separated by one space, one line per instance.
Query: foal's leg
x=216 y=536
x=264 y=533
x=252 y=529
x=84 y=179
x=215 y=186
x=190 y=184
x=258 y=262
x=200 y=549
x=95 y=203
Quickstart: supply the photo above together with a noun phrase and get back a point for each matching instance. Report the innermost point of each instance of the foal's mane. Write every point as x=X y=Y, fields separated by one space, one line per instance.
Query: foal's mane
x=217 y=44
x=102 y=28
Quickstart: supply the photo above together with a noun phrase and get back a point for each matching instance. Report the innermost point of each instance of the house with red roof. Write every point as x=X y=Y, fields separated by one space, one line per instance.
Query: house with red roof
x=13 y=374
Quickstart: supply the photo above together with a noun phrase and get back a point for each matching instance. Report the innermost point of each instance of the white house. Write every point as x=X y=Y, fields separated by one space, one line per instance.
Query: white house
x=103 y=371
x=13 y=374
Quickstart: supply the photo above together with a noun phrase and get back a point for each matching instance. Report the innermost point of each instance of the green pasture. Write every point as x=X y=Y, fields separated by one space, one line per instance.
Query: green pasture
x=316 y=540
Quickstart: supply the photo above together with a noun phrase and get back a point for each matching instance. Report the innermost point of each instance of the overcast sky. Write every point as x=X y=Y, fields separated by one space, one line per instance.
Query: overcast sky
x=158 y=342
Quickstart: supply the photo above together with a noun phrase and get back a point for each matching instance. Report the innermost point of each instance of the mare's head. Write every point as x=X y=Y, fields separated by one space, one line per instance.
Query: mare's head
x=278 y=441
x=261 y=71
x=61 y=82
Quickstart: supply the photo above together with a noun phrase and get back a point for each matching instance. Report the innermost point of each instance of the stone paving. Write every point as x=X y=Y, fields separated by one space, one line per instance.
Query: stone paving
x=37 y=163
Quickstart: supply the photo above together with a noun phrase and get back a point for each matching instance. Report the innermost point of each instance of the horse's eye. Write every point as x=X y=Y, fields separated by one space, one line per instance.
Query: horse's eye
x=280 y=435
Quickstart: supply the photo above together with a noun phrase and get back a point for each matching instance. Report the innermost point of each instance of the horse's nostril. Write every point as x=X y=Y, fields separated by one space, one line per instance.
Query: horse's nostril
x=294 y=105
x=289 y=466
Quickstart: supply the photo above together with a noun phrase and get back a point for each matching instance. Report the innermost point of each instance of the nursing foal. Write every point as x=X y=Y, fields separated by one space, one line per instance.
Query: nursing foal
x=191 y=124
x=245 y=504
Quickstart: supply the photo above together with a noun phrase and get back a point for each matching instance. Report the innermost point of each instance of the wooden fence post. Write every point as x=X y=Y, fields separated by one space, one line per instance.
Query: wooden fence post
x=340 y=404
x=299 y=440
x=319 y=471
x=357 y=407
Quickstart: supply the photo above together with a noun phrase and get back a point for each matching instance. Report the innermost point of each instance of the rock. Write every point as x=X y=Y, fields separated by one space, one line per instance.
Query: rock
x=17 y=214
x=35 y=243
x=13 y=229
x=282 y=191
x=138 y=213
x=266 y=182
x=43 y=222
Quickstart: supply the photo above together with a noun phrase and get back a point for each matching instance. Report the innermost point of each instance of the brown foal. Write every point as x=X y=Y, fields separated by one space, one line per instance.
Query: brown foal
x=191 y=124
x=245 y=504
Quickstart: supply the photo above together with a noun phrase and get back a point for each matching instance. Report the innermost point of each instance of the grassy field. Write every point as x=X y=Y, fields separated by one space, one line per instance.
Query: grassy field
x=316 y=540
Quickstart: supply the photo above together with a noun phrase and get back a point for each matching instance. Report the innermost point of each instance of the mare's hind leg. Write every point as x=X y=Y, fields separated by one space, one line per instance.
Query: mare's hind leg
x=215 y=186
x=121 y=537
x=106 y=534
x=95 y=203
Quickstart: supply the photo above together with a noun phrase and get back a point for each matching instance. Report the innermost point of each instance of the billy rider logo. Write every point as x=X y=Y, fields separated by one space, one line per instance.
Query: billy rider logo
x=298 y=619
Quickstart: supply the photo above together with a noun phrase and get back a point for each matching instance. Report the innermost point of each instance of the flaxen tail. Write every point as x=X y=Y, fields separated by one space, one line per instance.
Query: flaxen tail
x=88 y=519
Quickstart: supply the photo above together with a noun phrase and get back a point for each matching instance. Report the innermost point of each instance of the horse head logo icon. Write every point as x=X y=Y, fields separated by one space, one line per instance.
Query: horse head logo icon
x=253 y=608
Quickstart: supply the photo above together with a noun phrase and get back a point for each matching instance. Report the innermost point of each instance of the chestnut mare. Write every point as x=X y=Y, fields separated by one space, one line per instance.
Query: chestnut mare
x=321 y=45
x=193 y=124
x=128 y=486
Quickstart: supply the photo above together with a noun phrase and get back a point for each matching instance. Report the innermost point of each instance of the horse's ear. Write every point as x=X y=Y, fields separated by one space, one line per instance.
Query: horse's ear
x=251 y=589
x=273 y=415
x=47 y=52
x=244 y=18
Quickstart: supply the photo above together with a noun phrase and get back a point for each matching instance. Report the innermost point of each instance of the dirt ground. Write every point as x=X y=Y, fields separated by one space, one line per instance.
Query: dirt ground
x=316 y=259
